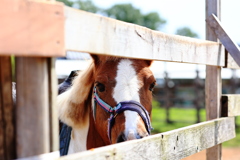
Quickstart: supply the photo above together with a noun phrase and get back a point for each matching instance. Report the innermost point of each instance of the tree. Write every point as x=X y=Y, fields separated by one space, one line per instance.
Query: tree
x=86 y=5
x=152 y=20
x=67 y=2
x=185 y=31
x=123 y=12
x=128 y=13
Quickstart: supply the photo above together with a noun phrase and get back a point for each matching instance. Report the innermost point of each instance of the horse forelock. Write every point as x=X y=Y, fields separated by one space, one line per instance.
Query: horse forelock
x=74 y=103
x=82 y=85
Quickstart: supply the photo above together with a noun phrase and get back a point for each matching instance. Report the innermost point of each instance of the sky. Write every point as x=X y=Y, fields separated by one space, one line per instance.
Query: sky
x=185 y=13
x=189 y=13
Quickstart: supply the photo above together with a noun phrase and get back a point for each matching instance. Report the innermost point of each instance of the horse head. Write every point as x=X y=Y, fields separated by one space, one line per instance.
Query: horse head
x=112 y=98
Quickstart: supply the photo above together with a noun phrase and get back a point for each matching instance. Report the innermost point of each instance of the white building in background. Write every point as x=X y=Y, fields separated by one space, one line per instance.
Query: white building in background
x=79 y=61
x=185 y=71
x=72 y=61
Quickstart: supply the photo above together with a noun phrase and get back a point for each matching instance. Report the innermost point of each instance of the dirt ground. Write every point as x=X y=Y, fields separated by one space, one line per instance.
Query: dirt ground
x=227 y=154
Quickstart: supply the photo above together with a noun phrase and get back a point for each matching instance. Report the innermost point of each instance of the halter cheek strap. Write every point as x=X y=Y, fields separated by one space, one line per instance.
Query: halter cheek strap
x=119 y=108
x=103 y=104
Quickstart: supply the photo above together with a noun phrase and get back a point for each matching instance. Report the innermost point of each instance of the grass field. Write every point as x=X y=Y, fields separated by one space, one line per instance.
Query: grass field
x=182 y=117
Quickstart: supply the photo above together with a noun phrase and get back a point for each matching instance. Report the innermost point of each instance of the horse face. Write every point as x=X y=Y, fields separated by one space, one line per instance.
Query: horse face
x=121 y=80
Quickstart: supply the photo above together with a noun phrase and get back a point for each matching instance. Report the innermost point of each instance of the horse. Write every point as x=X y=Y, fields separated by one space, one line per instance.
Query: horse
x=109 y=102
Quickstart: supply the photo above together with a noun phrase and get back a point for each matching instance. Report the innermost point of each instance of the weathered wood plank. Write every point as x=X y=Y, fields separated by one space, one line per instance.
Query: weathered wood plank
x=34 y=28
x=46 y=156
x=233 y=60
x=54 y=122
x=213 y=90
x=230 y=62
x=175 y=144
x=96 y=34
x=230 y=105
x=2 y=134
x=213 y=81
x=32 y=111
x=7 y=110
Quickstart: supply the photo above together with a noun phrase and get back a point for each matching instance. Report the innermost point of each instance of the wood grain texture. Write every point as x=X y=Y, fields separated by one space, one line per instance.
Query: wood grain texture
x=230 y=105
x=54 y=122
x=7 y=133
x=46 y=156
x=2 y=144
x=32 y=111
x=226 y=40
x=96 y=34
x=31 y=28
x=213 y=90
x=213 y=81
x=231 y=62
x=175 y=144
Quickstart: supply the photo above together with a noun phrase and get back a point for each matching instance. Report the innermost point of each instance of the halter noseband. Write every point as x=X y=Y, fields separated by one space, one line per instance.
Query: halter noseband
x=119 y=108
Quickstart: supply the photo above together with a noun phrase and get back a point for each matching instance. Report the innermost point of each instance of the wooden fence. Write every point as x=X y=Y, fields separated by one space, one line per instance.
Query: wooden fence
x=36 y=31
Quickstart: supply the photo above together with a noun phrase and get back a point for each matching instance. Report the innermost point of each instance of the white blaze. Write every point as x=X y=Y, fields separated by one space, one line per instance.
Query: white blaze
x=127 y=87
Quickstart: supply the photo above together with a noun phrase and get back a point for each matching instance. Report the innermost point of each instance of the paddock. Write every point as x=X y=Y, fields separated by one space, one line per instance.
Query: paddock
x=24 y=34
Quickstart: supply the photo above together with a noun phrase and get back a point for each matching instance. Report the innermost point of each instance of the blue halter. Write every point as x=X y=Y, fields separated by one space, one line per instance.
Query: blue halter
x=119 y=108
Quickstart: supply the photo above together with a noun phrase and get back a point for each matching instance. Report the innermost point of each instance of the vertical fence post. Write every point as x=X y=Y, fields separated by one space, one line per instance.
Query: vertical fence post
x=32 y=111
x=213 y=83
x=197 y=99
x=167 y=101
x=54 y=124
x=7 y=130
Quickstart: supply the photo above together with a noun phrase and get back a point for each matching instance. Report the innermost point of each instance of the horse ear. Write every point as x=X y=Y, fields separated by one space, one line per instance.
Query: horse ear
x=149 y=62
x=95 y=58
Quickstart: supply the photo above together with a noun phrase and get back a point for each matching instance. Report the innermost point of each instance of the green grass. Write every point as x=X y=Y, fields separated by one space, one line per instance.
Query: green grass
x=182 y=117
x=13 y=68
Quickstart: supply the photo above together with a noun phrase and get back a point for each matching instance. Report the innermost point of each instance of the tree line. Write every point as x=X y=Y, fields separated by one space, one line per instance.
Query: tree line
x=128 y=13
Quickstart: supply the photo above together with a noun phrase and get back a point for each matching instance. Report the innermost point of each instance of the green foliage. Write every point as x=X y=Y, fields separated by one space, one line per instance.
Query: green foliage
x=67 y=2
x=185 y=31
x=182 y=117
x=87 y=5
x=123 y=12
x=13 y=68
x=152 y=20
x=128 y=13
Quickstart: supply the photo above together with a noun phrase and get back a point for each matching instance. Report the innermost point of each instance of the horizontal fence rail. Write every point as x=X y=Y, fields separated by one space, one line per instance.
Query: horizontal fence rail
x=87 y=32
x=175 y=144
x=31 y=28
x=96 y=34
x=230 y=105
x=234 y=59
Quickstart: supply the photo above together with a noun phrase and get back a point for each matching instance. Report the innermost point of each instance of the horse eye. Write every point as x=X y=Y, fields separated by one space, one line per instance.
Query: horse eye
x=152 y=85
x=100 y=87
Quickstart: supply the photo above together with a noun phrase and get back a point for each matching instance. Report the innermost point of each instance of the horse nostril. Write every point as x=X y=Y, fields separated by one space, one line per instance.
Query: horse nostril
x=139 y=136
x=121 y=138
x=145 y=135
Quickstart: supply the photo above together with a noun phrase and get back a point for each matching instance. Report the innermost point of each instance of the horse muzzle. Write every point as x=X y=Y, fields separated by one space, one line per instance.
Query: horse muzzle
x=119 y=108
x=130 y=133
